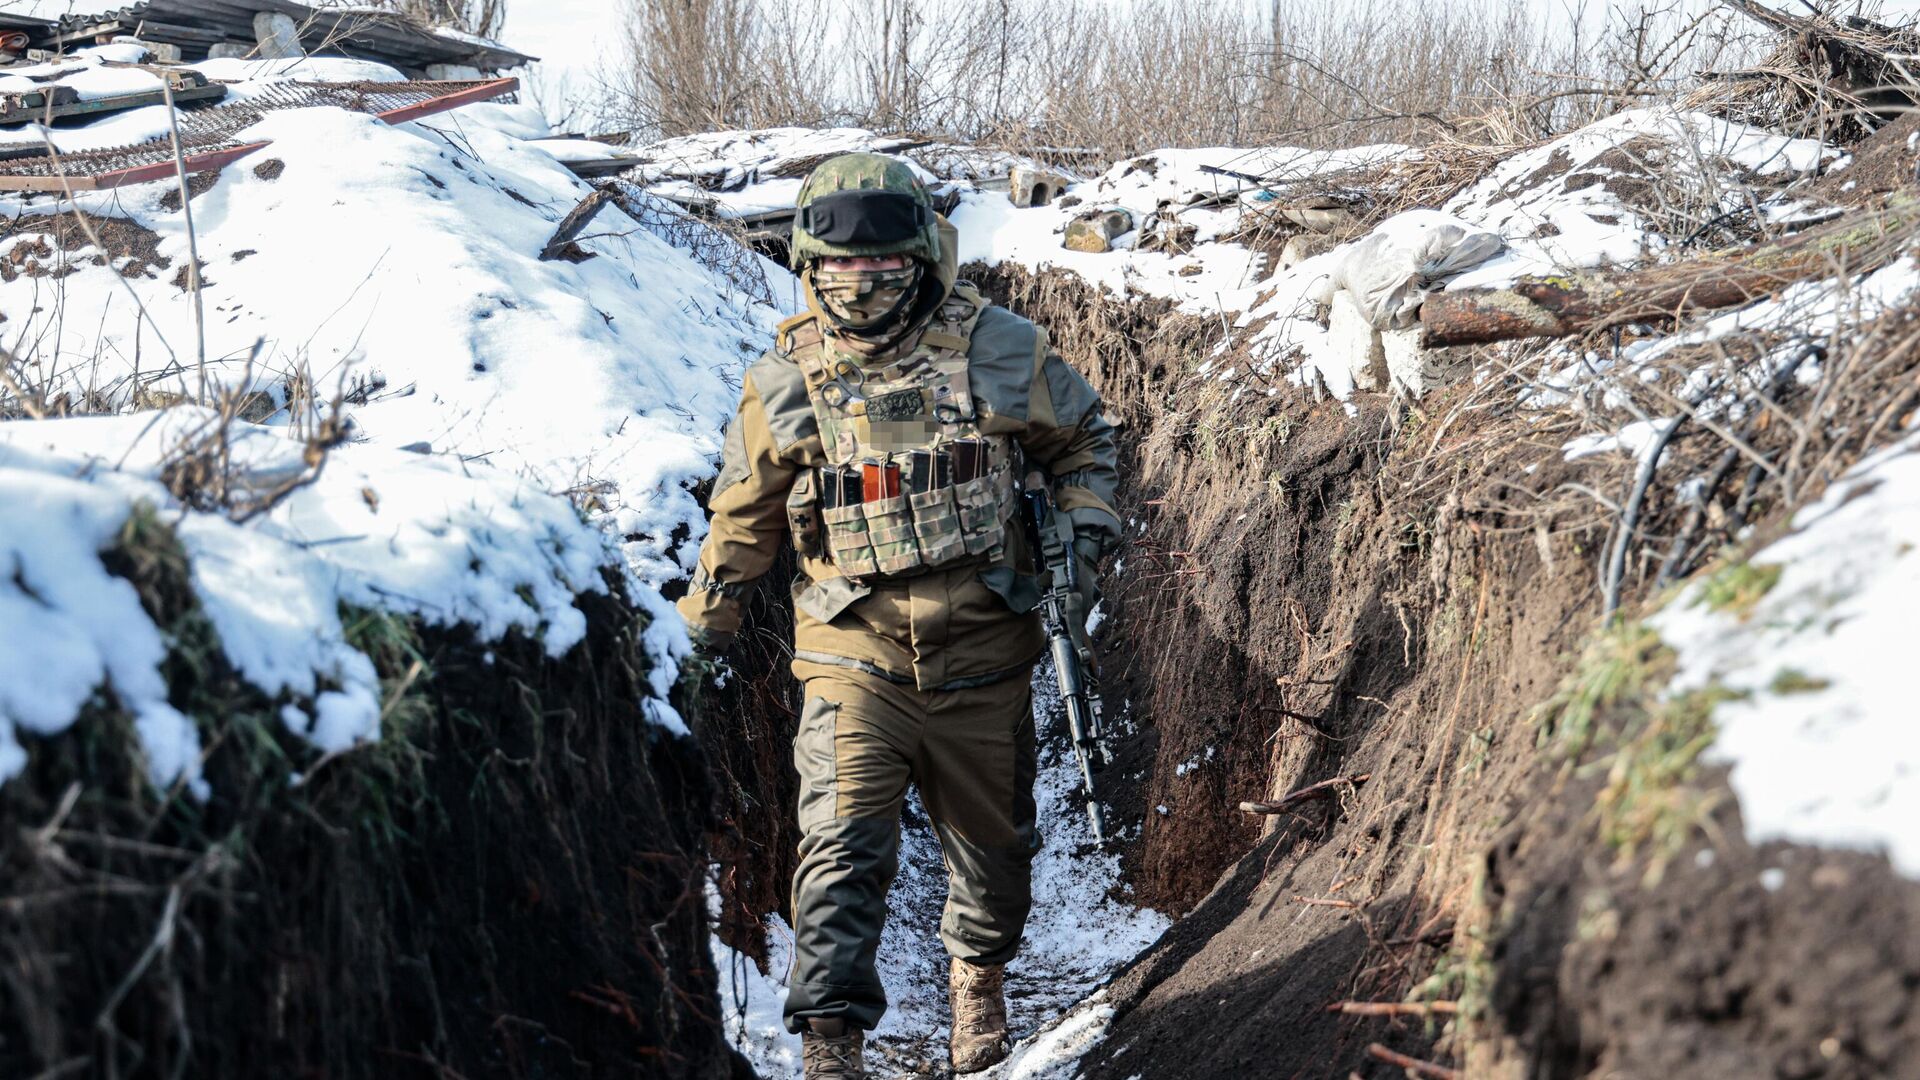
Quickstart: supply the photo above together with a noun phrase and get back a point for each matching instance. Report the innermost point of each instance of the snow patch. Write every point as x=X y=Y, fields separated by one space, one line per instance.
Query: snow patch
x=1822 y=745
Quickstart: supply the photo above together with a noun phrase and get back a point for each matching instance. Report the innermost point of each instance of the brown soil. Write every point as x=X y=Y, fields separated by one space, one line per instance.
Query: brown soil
x=747 y=729
x=54 y=245
x=508 y=885
x=198 y=184
x=1882 y=162
x=1707 y=973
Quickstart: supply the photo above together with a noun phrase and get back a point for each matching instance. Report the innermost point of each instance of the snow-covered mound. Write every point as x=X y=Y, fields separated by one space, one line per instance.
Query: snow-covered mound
x=514 y=425
x=403 y=264
x=375 y=528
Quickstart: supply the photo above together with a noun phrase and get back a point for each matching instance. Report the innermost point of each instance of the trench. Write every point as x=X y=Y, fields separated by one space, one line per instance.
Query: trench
x=1306 y=595
x=1310 y=594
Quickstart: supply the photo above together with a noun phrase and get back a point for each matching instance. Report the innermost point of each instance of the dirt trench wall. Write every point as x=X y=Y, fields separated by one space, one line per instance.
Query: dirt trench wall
x=1217 y=598
x=509 y=884
x=1394 y=595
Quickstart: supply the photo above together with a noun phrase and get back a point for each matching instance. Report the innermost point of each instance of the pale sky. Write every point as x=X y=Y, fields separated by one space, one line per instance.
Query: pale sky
x=567 y=35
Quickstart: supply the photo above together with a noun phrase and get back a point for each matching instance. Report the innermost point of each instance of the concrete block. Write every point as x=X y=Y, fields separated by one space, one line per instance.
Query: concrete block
x=1303 y=246
x=279 y=36
x=230 y=50
x=1354 y=338
x=453 y=73
x=1095 y=232
x=1417 y=372
x=1084 y=235
x=1027 y=186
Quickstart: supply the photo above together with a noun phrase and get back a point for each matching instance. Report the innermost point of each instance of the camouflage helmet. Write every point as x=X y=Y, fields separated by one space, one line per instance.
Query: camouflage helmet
x=852 y=205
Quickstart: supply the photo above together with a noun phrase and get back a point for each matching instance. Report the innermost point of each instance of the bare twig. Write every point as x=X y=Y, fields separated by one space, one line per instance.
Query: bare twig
x=1322 y=790
x=1414 y=1066
x=1395 y=1008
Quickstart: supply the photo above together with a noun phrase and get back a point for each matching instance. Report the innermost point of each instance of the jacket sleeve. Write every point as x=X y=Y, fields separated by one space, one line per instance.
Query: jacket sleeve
x=1069 y=436
x=749 y=523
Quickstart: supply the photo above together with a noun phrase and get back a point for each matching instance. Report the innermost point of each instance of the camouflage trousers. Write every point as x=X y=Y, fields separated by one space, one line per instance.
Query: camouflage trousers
x=862 y=740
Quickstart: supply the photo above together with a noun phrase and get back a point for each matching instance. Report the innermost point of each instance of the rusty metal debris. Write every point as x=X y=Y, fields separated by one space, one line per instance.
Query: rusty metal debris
x=209 y=133
x=58 y=102
x=197 y=27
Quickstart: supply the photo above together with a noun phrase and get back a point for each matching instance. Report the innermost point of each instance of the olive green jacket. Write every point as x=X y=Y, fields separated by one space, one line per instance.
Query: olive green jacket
x=961 y=626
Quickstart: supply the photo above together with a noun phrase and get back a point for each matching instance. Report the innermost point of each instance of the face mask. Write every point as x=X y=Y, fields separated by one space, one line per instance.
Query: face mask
x=864 y=299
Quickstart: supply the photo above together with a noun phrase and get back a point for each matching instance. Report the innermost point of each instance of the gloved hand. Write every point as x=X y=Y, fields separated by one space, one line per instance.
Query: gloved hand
x=701 y=671
x=1086 y=570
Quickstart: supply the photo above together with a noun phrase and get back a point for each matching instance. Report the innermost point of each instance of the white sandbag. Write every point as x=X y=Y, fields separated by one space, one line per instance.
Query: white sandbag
x=1391 y=269
x=1356 y=342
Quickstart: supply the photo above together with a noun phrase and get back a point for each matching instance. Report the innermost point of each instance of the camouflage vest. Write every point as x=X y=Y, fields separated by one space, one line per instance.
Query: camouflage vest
x=878 y=416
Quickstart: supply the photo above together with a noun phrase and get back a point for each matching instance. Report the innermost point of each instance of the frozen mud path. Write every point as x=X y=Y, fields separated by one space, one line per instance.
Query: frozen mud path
x=1082 y=929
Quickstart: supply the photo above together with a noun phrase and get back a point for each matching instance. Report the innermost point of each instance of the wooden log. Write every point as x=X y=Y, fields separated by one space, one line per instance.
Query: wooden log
x=562 y=244
x=1561 y=304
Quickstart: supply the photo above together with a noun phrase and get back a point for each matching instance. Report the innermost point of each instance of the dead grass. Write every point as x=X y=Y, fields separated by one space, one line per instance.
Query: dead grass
x=1040 y=76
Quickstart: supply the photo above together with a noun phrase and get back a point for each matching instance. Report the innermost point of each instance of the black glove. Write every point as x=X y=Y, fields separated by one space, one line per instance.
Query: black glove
x=702 y=670
x=1086 y=570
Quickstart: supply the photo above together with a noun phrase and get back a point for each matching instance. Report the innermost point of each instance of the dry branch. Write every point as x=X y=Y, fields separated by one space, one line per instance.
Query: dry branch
x=1563 y=304
x=1414 y=1066
x=1322 y=790
x=1394 y=1008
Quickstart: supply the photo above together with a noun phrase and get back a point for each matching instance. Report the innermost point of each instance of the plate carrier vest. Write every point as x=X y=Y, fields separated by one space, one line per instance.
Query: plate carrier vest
x=880 y=415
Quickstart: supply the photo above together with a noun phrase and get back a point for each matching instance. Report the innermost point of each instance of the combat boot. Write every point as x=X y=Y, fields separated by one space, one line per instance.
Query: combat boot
x=979 y=1015
x=833 y=1051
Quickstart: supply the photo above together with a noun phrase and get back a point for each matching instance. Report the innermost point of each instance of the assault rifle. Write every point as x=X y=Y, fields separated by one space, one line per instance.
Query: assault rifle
x=1051 y=536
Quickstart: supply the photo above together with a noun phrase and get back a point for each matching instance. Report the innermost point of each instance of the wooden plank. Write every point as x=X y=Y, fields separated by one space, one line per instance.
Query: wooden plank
x=483 y=92
x=47 y=183
x=174 y=32
x=600 y=167
x=101 y=106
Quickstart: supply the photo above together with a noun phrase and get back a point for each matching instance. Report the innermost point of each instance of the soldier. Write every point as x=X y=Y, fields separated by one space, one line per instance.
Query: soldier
x=885 y=436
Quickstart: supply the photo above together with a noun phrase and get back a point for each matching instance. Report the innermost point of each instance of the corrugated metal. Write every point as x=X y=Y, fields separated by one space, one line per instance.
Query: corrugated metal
x=388 y=39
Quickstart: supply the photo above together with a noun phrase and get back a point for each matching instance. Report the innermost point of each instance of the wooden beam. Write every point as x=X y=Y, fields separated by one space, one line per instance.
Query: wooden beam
x=1561 y=304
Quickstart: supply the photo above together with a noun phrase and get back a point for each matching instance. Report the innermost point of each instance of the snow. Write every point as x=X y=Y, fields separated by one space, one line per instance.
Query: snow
x=572 y=150
x=406 y=258
x=517 y=428
x=67 y=626
x=385 y=529
x=1822 y=745
x=1217 y=275
x=1077 y=937
x=726 y=168
x=305 y=69
x=1580 y=202
x=89 y=78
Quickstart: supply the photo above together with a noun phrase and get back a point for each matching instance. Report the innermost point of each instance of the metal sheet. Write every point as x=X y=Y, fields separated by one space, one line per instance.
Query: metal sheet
x=368 y=35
